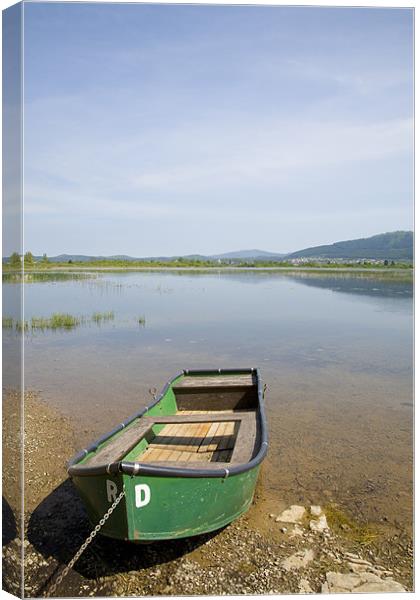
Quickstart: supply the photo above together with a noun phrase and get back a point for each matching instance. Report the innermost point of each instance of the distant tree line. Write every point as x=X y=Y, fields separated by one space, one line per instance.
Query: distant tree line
x=15 y=260
x=28 y=261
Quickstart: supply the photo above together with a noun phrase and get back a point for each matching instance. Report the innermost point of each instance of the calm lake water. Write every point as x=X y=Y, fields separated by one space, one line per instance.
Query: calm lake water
x=335 y=351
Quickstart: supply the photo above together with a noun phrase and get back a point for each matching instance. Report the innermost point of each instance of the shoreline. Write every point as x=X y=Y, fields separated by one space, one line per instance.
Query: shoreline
x=386 y=274
x=215 y=268
x=256 y=554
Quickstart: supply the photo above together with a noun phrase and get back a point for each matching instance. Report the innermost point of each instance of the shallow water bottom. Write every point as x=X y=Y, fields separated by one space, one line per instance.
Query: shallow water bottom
x=334 y=438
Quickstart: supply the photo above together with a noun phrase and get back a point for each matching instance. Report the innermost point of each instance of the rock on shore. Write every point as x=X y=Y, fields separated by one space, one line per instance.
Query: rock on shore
x=359 y=582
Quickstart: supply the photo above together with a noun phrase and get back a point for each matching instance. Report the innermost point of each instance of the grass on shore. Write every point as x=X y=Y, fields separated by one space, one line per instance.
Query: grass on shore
x=200 y=263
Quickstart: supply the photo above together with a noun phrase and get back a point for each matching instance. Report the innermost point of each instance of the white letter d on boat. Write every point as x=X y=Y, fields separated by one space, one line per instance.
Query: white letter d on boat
x=142 y=495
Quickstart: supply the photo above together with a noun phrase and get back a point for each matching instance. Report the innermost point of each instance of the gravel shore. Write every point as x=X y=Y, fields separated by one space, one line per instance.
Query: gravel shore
x=306 y=550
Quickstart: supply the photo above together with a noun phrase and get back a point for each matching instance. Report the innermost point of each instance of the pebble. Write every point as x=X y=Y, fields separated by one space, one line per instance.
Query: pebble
x=360 y=561
x=305 y=587
x=356 y=568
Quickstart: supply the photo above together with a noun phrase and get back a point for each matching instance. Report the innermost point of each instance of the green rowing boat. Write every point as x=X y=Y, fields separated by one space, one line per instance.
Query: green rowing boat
x=187 y=464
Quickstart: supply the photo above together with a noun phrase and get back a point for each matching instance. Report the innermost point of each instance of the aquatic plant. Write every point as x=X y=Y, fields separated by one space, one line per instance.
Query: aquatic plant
x=61 y=321
x=98 y=317
x=22 y=325
x=44 y=276
x=56 y=321
x=12 y=277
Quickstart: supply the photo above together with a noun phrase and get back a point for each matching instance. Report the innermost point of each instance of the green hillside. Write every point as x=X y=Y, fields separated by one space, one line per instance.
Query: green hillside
x=396 y=245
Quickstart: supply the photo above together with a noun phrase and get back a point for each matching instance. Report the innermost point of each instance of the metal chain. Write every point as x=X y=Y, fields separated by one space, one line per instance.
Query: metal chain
x=86 y=543
x=153 y=392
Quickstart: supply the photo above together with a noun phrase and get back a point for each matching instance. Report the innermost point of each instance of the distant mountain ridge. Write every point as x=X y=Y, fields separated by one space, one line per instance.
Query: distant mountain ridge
x=88 y=258
x=249 y=254
x=394 y=245
x=237 y=255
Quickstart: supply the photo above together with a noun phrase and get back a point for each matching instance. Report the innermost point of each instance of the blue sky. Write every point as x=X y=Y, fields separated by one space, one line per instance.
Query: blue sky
x=160 y=130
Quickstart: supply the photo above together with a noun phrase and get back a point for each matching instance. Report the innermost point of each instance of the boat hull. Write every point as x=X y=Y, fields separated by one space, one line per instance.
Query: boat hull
x=177 y=507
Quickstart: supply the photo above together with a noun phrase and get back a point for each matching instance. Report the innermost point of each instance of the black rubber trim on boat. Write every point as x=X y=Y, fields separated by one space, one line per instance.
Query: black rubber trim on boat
x=137 y=469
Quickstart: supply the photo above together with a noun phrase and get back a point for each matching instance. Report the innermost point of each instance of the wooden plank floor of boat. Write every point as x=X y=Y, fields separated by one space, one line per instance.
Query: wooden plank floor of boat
x=193 y=442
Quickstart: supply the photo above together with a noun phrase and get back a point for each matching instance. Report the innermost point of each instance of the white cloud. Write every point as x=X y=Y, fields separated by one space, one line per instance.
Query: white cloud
x=227 y=152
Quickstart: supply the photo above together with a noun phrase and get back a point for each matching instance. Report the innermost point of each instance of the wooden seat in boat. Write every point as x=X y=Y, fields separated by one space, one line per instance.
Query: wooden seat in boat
x=224 y=382
x=209 y=438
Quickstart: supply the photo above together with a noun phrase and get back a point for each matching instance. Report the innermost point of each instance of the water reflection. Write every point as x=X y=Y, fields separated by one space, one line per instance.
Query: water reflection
x=290 y=325
x=364 y=286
